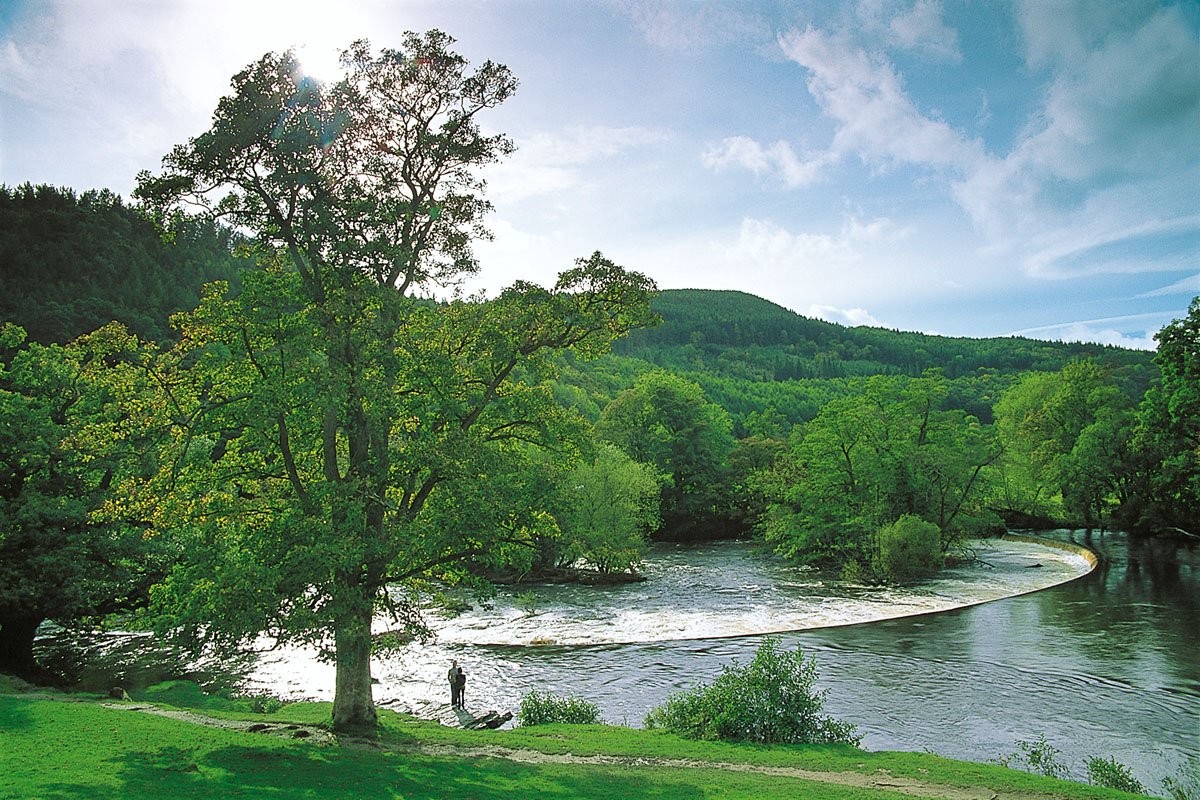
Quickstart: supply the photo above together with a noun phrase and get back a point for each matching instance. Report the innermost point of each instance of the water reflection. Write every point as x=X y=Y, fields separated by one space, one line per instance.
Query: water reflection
x=1105 y=665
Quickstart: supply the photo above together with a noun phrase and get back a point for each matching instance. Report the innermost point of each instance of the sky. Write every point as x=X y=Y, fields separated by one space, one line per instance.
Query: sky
x=960 y=167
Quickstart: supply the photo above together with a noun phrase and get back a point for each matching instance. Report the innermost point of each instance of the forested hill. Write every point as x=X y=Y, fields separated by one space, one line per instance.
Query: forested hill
x=72 y=263
x=738 y=335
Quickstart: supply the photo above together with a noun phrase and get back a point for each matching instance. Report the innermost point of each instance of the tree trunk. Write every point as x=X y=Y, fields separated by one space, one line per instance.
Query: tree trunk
x=353 y=705
x=16 y=647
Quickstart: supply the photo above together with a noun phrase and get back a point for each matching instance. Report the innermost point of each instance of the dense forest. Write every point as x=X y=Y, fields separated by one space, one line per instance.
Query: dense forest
x=753 y=357
x=737 y=335
x=72 y=263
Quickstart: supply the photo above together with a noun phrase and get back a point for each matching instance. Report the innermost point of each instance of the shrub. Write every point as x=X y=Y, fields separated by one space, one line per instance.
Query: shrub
x=1112 y=774
x=770 y=700
x=1037 y=755
x=260 y=702
x=907 y=550
x=543 y=708
x=1186 y=784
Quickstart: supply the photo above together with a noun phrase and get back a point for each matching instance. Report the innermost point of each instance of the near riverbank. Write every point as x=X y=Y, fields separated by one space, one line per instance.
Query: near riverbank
x=71 y=745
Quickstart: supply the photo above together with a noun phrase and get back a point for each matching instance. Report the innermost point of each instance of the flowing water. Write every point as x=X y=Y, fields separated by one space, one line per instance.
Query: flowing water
x=1102 y=663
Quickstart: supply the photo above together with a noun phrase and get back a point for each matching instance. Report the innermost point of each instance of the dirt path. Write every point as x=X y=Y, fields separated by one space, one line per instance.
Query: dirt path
x=881 y=779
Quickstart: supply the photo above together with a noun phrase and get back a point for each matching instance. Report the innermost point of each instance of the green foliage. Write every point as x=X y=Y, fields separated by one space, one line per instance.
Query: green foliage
x=62 y=445
x=1037 y=755
x=1065 y=434
x=544 y=708
x=907 y=550
x=186 y=694
x=1164 y=464
x=745 y=499
x=336 y=442
x=737 y=336
x=607 y=507
x=868 y=459
x=70 y=264
x=123 y=753
x=1185 y=785
x=1111 y=774
x=665 y=421
x=771 y=700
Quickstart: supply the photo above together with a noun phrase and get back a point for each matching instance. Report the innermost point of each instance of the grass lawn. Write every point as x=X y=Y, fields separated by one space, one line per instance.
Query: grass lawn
x=55 y=749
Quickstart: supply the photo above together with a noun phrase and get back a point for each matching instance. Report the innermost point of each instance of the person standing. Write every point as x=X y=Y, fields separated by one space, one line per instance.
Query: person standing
x=458 y=680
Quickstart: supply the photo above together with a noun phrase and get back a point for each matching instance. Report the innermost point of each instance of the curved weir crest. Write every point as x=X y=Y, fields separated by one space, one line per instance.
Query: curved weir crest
x=692 y=593
x=689 y=595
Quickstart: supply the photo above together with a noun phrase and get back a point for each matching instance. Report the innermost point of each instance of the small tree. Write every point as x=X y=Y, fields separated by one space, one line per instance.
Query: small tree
x=1037 y=755
x=609 y=507
x=770 y=700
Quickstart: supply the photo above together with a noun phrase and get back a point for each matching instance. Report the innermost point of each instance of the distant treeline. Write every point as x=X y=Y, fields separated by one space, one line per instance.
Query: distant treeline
x=738 y=335
x=750 y=354
x=71 y=263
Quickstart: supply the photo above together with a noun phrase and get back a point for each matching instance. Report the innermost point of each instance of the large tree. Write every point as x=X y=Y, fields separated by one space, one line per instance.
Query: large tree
x=870 y=458
x=1165 y=461
x=665 y=421
x=336 y=437
x=62 y=444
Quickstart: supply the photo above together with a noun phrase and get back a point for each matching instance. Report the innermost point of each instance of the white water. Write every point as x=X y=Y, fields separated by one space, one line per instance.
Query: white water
x=691 y=592
x=689 y=598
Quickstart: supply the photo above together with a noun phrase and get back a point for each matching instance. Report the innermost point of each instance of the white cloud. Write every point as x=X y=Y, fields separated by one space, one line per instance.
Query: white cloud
x=1125 y=331
x=877 y=230
x=763 y=245
x=1066 y=31
x=1112 y=153
x=918 y=28
x=547 y=162
x=845 y=316
x=779 y=158
x=583 y=143
x=877 y=121
x=1188 y=286
x=921 y=28
x=1109 y=336
x=1104 y=177
x=519 y=254
x=677 y=25
x=135 y=77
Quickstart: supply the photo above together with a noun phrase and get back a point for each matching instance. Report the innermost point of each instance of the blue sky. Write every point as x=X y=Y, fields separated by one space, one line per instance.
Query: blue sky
x=964 y=168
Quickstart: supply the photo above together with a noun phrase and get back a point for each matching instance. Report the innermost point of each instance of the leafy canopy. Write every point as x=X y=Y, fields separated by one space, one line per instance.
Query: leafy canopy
x=337 y=440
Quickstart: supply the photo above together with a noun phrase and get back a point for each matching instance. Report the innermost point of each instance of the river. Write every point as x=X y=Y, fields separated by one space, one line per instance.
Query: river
x=1102 y=663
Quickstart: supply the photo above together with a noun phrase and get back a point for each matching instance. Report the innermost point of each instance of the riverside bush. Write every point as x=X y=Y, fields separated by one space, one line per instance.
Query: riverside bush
x=1186 y=784
x=770 y=700
x=907 y=550
x=1112 y=774
x=1037 y=755
x=544 y=708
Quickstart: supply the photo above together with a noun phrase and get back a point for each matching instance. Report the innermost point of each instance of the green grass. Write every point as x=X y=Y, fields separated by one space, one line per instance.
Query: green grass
x=55 y=749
